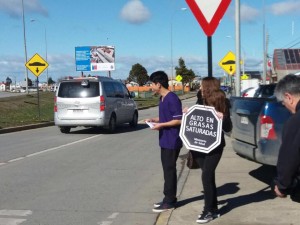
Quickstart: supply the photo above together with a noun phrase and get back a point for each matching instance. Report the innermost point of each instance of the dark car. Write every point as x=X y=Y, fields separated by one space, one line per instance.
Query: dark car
x=226 y=89
x=265 y=91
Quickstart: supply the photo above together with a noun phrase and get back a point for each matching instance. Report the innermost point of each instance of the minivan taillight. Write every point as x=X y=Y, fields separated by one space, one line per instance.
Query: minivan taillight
x=102 y=103
x=55 y=104
x=267 y=128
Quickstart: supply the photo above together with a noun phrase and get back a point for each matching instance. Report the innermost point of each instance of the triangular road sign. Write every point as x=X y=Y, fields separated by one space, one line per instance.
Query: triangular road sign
x=208 y=13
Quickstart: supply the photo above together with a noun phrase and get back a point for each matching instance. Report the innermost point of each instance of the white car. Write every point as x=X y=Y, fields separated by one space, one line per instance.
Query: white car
x=249 y=92
x=93 y=102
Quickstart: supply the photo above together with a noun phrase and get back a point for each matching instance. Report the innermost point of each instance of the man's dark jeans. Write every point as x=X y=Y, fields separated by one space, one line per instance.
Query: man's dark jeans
x=168 y=160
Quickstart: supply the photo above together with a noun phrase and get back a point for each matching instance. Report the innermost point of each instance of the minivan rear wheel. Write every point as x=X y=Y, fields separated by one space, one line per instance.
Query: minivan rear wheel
x=112 y=124
x=134 y=120
x=65 y=130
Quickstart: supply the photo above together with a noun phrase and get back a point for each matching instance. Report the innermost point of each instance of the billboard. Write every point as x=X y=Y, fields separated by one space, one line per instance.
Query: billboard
x=95 y=58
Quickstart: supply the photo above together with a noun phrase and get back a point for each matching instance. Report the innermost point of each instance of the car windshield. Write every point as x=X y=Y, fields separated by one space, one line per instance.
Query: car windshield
x=77 y=90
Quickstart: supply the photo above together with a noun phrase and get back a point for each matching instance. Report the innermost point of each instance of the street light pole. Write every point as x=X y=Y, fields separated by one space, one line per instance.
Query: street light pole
x=172 y=65
x=25 y=48
x=46 y=45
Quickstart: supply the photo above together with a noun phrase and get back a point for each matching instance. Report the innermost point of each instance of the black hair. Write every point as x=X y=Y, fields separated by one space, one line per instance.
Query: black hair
x=160 y=77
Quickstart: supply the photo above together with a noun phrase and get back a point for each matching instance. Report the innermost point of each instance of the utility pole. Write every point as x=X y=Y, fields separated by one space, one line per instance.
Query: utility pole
x=237 y=49
x=264 y=48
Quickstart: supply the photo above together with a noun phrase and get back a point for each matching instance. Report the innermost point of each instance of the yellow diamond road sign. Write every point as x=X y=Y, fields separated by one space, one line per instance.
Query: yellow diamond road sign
x=178 y=78
x=245 y=77
x=228 y=63
x=36 y=65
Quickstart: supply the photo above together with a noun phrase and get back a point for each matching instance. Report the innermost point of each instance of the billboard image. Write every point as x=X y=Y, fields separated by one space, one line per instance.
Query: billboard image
x=95 y=58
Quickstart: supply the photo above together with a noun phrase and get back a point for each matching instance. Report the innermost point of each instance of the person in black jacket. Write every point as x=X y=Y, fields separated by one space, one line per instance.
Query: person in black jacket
x=211 y=95
x=287 y=182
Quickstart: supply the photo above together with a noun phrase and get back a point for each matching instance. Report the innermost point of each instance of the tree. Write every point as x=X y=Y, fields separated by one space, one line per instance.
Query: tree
x=50 y=81
x=138 y=74
x=186 y=74
x=8 y=81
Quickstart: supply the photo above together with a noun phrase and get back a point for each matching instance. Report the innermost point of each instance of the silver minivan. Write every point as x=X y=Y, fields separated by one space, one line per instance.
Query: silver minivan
x=93 y=102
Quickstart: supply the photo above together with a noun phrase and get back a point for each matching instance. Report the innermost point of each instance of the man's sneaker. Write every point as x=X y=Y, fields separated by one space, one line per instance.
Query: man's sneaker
x=206 y=217
x=160 y=203
x=163 y=207
x=157 y=204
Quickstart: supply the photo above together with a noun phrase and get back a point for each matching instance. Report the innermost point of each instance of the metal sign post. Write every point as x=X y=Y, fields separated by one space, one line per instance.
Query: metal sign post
x=37 y=65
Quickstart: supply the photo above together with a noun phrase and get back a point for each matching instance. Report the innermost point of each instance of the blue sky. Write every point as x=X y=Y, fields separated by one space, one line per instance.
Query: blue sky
x=140 y=30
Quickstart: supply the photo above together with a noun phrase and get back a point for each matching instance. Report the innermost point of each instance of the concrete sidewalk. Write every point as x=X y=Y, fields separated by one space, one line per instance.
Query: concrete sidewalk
x=243 y=193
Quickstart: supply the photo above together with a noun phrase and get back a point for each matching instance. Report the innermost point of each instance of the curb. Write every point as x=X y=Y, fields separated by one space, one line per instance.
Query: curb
x=25 y=127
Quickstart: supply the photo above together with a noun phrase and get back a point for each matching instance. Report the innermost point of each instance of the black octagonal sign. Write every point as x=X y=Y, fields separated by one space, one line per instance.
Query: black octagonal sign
x=201 y=129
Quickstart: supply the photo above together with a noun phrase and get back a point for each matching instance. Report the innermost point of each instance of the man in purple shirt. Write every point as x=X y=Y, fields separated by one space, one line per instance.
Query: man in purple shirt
x=168 y=124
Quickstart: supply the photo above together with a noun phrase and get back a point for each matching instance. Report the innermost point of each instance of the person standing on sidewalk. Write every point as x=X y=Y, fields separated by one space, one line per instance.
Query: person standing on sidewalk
x=287 y=182
x=212 y=95
x=168 y=124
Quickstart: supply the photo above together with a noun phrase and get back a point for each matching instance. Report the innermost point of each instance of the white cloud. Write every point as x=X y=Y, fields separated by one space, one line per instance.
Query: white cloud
x=14 y=7
x=285 y=7
x=248 y=13
x=135 y=12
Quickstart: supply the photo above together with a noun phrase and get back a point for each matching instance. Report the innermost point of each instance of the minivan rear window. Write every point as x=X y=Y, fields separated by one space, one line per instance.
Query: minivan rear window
x=76 y=90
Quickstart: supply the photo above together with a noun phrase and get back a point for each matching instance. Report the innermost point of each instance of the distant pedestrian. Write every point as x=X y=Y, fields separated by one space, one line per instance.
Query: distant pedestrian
x=199 y=97
x=211 y=95
x=287 y=182
x=168 y=124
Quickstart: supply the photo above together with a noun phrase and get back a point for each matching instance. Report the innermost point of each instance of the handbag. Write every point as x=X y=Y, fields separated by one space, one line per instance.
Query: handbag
x=191 y=163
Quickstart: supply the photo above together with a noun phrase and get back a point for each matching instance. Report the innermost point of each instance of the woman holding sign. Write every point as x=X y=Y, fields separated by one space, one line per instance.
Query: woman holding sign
x=211 y=95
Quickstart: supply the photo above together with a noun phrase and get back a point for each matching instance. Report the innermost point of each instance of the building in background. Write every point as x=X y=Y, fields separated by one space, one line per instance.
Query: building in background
x=285 y=61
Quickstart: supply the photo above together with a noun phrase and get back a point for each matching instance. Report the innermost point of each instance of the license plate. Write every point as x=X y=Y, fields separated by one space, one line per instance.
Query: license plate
x=244 y=120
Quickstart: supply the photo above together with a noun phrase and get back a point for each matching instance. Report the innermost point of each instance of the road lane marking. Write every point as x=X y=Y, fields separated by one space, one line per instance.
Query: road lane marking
x=13 y=213
x=16 y=159
x=7 y=212
x=113 y=216
x=103 y=223
x=107 y=222
x=52 y=149
x=47 y=150
x=11 y=221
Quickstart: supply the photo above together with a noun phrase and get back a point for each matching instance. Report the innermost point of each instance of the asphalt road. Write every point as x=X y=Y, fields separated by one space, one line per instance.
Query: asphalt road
x=85 y=177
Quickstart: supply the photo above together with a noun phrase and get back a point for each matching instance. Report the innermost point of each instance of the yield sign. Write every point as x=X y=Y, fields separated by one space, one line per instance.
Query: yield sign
x=208 y=13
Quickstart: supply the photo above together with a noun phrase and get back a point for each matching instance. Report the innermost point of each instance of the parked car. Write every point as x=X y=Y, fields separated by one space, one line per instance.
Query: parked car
x=226 y=89
x=93 y=102
x=257 y=125
x=265 y=91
